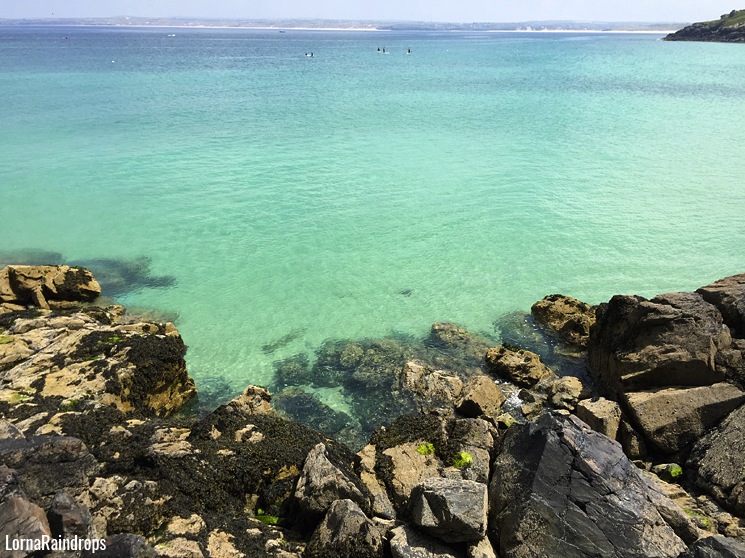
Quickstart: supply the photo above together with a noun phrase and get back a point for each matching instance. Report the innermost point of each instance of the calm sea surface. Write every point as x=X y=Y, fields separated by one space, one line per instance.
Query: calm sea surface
x=357 y=194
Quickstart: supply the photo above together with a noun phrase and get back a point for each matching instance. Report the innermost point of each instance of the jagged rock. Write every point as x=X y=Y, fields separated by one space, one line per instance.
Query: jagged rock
x=124 y=545
x=408 y=467
x=38 y=284
x=409 y=543
x=19 y=517
x=602 y=416
x=8 y=431
x=562 y=490
x=451 y=510
x=481 y=549
x=68 y=519
x=254 y=400
x=728 y=295
x=563 y=393
x=475 y=437
x=674 y=418
x=715 y=547
x=670 y=340
x=568 y=317
x=719 y=461
x=346 y=532
x=522 y=367
x=49 y=464
x=432 y=390
x=481 y=397
x=321 y=483
x=381 y=504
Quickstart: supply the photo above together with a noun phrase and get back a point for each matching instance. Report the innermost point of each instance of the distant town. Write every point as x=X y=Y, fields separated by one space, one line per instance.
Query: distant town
x=123 y=21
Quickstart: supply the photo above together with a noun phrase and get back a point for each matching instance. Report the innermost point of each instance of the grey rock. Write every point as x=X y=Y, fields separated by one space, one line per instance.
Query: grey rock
x=715 y=547
x=346 y=532
x=670 y=340
x=719 y=461
x=406 y=542
x=67 y=518
x=451 y=510
x=49 y=464
x=125 y=545
x=561 y=490
x=321 y=483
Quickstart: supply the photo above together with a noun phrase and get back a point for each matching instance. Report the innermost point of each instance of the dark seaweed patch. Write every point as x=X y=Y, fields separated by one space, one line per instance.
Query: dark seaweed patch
x=121 y=276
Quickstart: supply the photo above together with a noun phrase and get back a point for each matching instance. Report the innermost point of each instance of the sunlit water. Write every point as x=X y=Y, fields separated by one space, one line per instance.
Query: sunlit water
x=355 y=194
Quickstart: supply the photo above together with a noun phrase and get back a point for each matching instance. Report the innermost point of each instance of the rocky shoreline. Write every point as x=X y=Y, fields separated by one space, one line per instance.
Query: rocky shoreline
x=730 y=28
x=634 y=448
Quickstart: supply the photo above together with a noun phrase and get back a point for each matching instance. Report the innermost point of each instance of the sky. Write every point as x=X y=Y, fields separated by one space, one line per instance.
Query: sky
x=416 y=10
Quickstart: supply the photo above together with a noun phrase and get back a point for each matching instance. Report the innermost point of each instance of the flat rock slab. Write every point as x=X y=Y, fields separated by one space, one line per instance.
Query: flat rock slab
x=674 y=418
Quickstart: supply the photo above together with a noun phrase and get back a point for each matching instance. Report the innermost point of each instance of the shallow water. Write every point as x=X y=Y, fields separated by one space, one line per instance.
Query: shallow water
x=355 y=195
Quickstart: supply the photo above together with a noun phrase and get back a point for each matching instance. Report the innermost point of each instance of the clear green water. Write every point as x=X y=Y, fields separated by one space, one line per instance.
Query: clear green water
x=356 y=194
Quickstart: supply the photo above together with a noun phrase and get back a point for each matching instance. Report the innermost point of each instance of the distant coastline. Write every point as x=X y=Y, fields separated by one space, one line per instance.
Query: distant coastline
x=350 y=25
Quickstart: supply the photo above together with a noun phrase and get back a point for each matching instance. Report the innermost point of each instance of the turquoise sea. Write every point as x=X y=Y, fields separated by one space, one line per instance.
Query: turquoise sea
x=357 y=194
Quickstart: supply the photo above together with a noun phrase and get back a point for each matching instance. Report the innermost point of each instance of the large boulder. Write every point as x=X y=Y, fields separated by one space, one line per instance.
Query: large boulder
x=728 y=295
x=41 y=284
x=449 y=509
x=719 y=462
x=321 y=483
x=346 y=532
x=674 y=418
x=568 y=317
x=521 y=367
x=562 y=490
x=670 y=340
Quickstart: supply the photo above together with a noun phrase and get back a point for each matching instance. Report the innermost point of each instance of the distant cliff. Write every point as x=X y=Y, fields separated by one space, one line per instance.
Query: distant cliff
x=730 y=28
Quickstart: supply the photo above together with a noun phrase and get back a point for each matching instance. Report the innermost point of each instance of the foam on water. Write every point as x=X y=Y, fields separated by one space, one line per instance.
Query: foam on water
x=353 y=195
